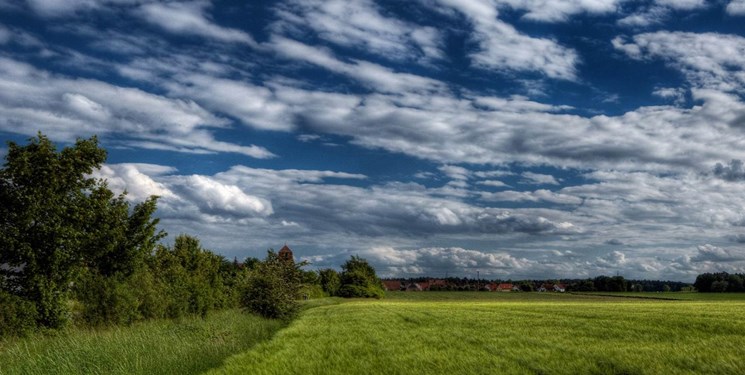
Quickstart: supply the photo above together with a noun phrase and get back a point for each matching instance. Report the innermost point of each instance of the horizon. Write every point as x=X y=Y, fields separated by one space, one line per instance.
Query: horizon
x=520 y=139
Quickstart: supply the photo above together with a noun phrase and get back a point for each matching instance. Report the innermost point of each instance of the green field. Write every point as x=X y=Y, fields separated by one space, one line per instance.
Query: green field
x=418 y=333
x=520 y=333
x=187 y=346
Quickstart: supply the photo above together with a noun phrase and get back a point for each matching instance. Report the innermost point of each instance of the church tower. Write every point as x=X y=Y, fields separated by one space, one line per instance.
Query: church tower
x=285 y=253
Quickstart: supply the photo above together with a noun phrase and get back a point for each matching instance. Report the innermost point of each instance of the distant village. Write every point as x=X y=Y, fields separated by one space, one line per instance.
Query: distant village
x=466 y=284
x=599 y=284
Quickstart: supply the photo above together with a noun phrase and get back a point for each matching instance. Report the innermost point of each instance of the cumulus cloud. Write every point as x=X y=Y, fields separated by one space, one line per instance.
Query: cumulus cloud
x=711 y=253
x=190 y=18
x=135 y=180
x=216 y=198
x=437 y=261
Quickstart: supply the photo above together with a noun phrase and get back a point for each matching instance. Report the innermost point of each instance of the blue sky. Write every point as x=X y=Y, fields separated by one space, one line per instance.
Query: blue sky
x=516 y=138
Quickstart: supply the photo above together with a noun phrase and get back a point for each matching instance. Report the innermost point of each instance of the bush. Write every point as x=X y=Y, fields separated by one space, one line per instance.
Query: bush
x=107 y=300
x=17 y=315
x=273 y=288
x=358 y=280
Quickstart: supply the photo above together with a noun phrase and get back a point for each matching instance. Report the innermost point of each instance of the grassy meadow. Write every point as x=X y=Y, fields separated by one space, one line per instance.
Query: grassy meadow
x=185 y=346
x=417 y=333
x=506 y=333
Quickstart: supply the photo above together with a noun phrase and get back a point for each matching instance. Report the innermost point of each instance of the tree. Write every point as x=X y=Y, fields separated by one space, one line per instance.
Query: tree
x=56 y=221
x=358 y=279
x=273 y=288
x=330 y=281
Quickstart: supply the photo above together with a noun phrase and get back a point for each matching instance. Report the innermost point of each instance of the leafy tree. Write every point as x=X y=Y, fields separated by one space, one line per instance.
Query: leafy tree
x=358 y=279
x=45 y=200
x=719 y=286
x=330 y=281
x=273 y=288
x=57 y=223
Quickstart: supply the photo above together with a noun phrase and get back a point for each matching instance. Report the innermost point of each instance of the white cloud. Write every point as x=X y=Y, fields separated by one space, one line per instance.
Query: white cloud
x=676 y=94
x=711 y=253
x=541 y=195
x=503 y=48
x=736 y=8
x=359 y=25
x=682 y=4
x=65 y=108
x=135 y=179
x=493 y=183
x=216 y=198
x=539 y=179
x=554 y=11
x=189 y=18
x=375 y=76
x=708 y=60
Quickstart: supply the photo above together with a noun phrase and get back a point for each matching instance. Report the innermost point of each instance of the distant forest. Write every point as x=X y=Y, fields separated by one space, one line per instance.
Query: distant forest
x=720 y=282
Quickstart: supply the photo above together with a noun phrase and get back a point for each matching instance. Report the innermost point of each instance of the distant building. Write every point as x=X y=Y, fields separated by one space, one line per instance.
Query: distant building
x=285 y=253
x=504 y=287
x=394 y=285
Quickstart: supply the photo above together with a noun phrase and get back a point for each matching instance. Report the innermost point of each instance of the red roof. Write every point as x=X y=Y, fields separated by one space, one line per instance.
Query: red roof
x=504 y=286
x=392 y=284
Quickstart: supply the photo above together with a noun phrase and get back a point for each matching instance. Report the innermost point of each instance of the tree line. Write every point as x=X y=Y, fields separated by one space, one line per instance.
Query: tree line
x=720 y=282
x=72 y=251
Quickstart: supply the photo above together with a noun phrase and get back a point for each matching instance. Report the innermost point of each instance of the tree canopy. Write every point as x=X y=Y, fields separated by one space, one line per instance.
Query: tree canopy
x=56 y=220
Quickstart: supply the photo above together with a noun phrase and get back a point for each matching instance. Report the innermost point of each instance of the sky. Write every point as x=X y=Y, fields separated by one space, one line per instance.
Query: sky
x=514 y=138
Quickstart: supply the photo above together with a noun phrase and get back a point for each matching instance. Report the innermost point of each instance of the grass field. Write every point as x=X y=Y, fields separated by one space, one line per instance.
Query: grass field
x=188 y=346
x=520 y=333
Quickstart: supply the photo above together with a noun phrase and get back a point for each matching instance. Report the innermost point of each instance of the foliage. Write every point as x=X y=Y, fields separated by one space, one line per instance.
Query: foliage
x=358 y=279
x=58 y=222
x=17 y=316
x=720 y=282
x=273 y=288
x=190 y=345
x=330 y=281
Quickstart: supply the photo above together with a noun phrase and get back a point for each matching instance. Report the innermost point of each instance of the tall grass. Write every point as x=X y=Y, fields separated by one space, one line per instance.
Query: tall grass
x=186 y=346
x=556 y=335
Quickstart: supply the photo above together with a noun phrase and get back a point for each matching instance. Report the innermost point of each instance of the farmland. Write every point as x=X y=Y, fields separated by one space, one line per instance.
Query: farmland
x=413 y=333
x=477 y=333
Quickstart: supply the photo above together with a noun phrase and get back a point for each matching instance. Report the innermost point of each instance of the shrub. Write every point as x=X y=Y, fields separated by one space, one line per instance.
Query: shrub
x=358 y=280
x=273 y=288
x=17 y=315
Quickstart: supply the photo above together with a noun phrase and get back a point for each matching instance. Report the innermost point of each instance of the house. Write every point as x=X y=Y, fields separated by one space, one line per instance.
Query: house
x=491 y=286
x=285 y=253
x=504 y=287
x=417 y=287
x=561 y=288
x=394 y=285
